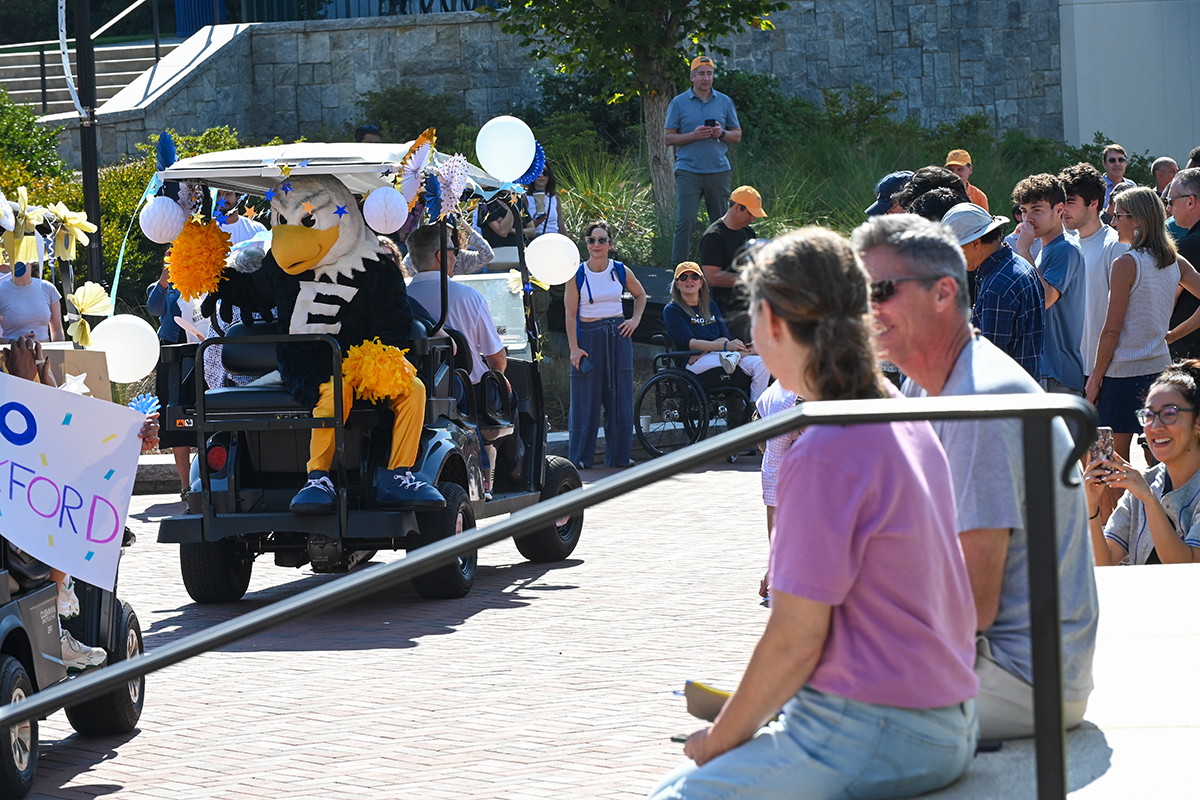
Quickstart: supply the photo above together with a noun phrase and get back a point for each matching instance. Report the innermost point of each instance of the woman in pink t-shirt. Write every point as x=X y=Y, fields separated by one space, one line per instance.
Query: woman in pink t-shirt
x=870 y=646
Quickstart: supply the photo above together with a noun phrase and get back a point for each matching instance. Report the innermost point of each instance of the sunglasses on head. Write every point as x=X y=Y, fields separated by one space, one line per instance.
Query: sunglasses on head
x=884 y=290
x=598 y=240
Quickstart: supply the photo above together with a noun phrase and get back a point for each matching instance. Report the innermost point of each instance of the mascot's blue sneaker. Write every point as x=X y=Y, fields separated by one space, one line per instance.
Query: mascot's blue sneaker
x=399 y=489
x=317 y=497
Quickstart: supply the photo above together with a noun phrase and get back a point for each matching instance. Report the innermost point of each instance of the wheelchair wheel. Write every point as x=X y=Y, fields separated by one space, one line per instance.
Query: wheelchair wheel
x=670 y=413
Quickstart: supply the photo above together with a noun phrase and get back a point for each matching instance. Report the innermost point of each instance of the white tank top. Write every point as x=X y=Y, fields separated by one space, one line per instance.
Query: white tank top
x=600 y=294
x=541 y=203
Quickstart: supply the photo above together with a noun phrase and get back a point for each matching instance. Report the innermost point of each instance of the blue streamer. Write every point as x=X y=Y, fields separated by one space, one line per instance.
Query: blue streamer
x=151 y=189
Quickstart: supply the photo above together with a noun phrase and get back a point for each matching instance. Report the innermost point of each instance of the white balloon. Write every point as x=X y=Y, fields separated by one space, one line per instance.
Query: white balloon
x=162 y=220
x=130 y=345
x=505 y=147
x=552 y=258
x=385 y=210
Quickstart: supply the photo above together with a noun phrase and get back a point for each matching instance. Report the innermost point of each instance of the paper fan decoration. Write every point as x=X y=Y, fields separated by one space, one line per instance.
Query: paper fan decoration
x=144 y=403
x=535 y=169
x=413 y=166
x=453 y=181
x=7 y=218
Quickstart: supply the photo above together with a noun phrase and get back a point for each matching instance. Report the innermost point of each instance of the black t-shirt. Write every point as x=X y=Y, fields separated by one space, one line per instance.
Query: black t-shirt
x=1186 y=305
x=718 y=248
x=493 y=211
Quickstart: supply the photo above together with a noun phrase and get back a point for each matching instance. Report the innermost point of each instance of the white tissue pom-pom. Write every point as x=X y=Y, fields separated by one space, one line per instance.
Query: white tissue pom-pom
x=385 y=210
x=162 y=220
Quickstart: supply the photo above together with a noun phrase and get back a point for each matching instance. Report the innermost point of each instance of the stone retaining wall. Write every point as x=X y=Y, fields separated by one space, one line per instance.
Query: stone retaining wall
x=305 y=78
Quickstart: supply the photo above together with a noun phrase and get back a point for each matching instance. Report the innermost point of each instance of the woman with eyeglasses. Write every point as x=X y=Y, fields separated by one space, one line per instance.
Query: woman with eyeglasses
x=694 y=321
x=1143 y=283
x=870 y=646
x=599 y=336
x=1155 y=521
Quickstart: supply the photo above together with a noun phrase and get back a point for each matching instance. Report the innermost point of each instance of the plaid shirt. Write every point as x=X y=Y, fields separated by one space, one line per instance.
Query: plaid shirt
x=1010 y=307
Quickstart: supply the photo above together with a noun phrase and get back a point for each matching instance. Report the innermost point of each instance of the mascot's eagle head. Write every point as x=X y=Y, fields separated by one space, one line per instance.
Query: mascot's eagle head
x=317 y=226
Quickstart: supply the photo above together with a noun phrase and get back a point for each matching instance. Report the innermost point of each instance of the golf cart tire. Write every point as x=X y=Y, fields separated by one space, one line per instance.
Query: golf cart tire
x=117 y=712
x=453 y=580
x=215 y=572
x=14 y=781
x=556 y=542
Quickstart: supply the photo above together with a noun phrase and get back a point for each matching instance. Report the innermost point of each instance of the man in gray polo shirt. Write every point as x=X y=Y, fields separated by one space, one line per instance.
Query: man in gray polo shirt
x=699 y=125
x=919 y=295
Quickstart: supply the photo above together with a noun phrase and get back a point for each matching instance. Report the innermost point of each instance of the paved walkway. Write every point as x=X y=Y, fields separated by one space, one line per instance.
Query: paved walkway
x=554 y=681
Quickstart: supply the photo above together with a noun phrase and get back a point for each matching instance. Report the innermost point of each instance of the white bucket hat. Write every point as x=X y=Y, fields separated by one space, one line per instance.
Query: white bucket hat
x=969 y=222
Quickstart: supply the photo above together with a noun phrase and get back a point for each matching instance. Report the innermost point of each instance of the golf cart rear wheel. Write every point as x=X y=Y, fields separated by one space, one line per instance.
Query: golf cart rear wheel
x=18 y=763
x=670 y=413
x=556 y=542
x=215 y=572
x=118 y=711
x=455 y=579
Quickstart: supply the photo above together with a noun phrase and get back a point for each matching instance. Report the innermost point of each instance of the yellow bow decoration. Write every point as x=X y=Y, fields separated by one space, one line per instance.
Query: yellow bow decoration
x=88 y=299
x=73 y=227
x=17 y=243
x=514 y=281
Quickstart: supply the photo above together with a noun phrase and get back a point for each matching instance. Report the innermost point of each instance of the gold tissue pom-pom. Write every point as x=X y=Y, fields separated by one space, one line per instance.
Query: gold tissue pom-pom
x=378 y=371
x=197 y=258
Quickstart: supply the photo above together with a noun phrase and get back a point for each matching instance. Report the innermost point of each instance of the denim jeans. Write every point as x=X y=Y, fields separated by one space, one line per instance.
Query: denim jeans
x=715 y=186
x=825 y=746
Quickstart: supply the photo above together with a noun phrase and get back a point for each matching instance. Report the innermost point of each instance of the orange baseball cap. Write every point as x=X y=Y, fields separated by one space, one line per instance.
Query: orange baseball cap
x=686 y=267
x=699 y=60
x=750 y=198
x=958 y=158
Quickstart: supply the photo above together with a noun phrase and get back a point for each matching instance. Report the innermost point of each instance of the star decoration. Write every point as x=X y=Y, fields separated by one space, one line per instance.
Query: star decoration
x=270 y=195
x=286 y=186
x=341 y=211
x=285 y=170
x=303 y=163
x=537 y=356
x=75 y=384
x=250 y=212
x=198 y=218
x=222 y=218
x=307 y=206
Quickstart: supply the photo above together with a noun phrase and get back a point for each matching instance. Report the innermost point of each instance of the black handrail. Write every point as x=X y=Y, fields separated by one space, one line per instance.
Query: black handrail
x=1036 y=411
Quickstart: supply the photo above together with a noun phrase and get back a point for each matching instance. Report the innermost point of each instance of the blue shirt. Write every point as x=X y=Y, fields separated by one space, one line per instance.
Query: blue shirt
x=688 y=112
x=1010 y=306
x=164 y=304
x=683 y=326
x=1061 y=264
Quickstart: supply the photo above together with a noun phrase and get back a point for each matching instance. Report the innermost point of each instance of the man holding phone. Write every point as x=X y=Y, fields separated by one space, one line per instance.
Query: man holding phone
x=700 y=124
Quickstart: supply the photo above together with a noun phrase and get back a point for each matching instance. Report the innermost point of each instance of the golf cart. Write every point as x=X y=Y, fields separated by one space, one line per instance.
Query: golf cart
x=253 y=441
x=31 y=659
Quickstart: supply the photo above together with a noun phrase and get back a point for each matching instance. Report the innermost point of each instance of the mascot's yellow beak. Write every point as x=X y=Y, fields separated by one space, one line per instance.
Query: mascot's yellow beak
x=298 y=249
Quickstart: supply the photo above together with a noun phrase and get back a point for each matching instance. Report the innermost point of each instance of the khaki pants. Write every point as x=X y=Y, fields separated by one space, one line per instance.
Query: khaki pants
x=409 y=414
x=1005 y=701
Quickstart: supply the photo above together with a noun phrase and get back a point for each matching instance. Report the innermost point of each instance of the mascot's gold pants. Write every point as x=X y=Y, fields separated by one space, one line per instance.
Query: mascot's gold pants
x=406 y=430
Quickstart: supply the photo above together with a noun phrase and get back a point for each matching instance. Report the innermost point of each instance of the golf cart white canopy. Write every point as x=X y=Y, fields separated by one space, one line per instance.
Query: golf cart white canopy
x=254 y=170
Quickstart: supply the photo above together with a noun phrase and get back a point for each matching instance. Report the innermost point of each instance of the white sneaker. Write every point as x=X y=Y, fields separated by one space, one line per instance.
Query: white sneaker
x=78 y=656
x=68 y=601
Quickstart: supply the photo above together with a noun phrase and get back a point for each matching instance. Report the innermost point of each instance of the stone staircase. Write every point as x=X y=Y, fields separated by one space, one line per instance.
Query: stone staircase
x=116 y=66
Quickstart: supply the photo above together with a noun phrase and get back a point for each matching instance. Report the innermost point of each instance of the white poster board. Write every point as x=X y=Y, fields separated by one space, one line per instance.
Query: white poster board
x=67 y=469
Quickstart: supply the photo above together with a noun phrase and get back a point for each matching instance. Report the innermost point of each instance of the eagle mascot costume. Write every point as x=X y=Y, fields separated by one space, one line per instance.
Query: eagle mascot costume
x=324 y=274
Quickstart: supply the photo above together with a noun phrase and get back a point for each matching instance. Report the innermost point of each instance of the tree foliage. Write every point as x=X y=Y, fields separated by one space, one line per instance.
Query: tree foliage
x=25 y=143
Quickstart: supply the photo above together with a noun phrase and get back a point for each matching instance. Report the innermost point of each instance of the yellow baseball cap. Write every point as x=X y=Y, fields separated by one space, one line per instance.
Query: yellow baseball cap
x=958 y=158
x=686 y=267
x=699 y=60
x=750 y=198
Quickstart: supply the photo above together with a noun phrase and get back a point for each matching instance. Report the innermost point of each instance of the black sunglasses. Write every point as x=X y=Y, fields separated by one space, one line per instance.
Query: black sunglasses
x=1118 y=160
x=598 y=240
x=884 y=290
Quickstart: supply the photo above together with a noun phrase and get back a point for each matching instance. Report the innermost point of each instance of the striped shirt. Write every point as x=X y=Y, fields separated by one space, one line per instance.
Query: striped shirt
x=1010 y=308
x=1129 y=527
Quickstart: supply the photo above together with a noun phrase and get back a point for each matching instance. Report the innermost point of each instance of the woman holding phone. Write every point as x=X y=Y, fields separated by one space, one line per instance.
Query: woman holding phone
x=599 y=336
x=544 y=206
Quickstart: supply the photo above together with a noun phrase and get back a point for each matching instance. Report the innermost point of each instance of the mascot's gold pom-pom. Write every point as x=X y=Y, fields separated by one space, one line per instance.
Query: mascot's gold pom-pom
x=378 y=371
x=197 y=258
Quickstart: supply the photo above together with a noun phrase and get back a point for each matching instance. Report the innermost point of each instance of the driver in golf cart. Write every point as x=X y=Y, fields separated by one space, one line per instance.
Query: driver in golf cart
x=325 y=274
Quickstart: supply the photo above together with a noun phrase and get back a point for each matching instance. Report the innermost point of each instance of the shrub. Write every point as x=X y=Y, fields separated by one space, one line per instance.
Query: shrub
x=402 y=112
x=589 y=103
x=26 y=143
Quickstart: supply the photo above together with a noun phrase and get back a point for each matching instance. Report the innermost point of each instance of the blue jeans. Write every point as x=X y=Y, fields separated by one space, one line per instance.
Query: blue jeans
x=608 y=385
x=715 y=186
x=825 y=746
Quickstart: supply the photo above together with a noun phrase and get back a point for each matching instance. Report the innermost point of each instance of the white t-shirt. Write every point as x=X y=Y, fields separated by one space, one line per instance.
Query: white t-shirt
x=467 y=312
x=26 y=309
x=242 y=230
x=549 y=203
x=1100 y=250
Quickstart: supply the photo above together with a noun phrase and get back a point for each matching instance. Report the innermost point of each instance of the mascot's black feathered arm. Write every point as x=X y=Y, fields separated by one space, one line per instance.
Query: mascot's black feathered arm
x=244 y=285
x=391 y=318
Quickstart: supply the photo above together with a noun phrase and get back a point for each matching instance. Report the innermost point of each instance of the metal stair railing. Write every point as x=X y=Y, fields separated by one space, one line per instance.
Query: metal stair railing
x=1036 y=411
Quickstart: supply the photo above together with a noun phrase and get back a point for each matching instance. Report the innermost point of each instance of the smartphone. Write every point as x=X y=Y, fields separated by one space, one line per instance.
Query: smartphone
x=585 y=366
x=1103 y=446
x=710 y=123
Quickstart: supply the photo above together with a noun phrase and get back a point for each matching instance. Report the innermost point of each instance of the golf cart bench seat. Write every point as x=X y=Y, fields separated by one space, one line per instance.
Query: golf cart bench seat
x=26 y=571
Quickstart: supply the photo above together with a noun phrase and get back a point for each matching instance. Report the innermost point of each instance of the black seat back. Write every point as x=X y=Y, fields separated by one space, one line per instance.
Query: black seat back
x=250 y=358
x=27 y=571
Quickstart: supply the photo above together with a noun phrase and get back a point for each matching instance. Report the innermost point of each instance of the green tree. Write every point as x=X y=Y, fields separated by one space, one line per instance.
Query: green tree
x=643 y=47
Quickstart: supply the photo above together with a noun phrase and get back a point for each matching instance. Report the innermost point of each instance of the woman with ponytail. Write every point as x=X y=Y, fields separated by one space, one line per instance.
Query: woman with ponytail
x=694 y=321
x=1156 y=520
x=870 y=646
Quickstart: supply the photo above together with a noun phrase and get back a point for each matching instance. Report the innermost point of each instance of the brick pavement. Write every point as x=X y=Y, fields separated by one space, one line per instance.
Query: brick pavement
x=547 y=681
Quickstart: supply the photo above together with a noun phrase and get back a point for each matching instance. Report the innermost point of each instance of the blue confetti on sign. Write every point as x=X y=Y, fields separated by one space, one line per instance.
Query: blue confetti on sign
x=67 y=419
x=89 y=555
x=111 y=472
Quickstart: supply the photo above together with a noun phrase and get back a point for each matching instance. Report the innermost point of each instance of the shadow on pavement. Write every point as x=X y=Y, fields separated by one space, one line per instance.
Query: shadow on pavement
x=59 y=764
x=397 y=618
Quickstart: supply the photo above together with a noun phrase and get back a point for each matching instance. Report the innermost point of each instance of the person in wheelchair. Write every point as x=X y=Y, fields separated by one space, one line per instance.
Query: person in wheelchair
x=467 y=312
x=694 y=321
x=24 y=360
